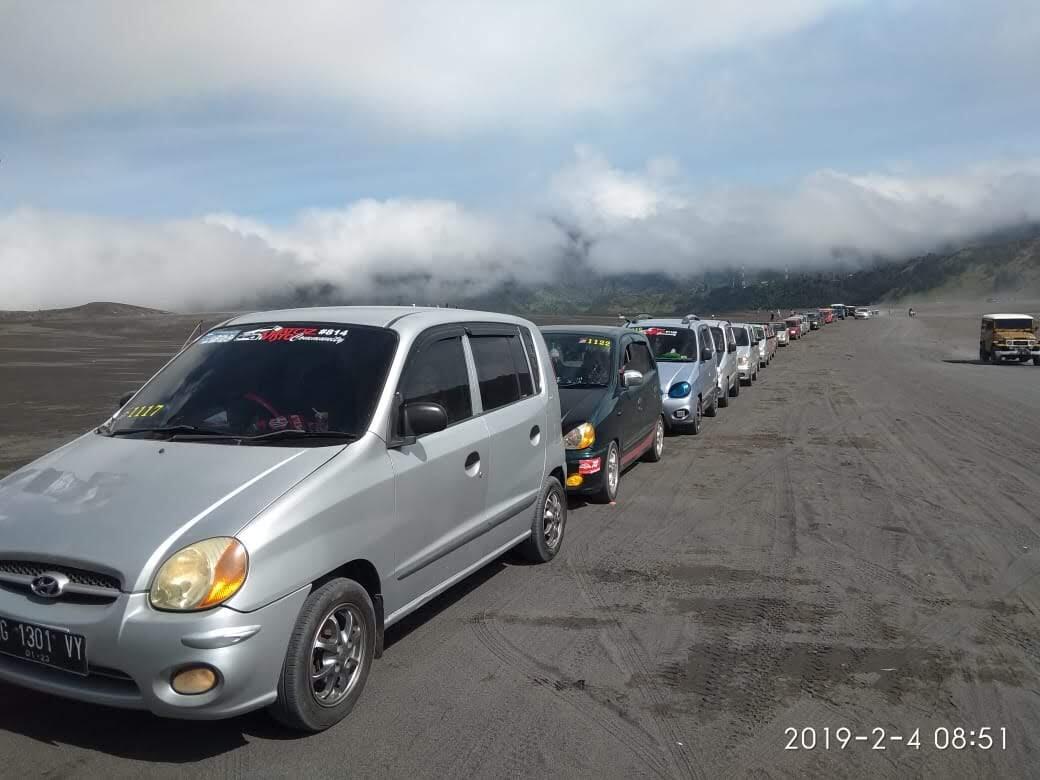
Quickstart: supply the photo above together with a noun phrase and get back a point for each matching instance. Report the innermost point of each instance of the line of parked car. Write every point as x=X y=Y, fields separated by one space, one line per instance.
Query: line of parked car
x=244 y=528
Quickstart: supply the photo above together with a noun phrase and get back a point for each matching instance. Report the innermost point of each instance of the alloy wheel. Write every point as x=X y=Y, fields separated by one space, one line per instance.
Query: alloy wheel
x=337 y=654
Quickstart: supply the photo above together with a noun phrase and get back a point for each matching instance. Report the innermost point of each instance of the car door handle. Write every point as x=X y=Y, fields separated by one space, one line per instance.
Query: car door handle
x=473 y=465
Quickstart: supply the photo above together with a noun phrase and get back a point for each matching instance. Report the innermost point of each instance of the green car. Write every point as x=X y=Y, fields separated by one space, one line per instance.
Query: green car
x=610 y=404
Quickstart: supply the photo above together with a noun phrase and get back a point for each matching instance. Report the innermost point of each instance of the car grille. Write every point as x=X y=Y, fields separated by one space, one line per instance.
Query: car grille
x=78 y=576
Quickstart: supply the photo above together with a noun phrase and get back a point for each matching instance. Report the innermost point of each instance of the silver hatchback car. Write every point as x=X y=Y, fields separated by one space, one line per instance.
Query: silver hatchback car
x=245 y=527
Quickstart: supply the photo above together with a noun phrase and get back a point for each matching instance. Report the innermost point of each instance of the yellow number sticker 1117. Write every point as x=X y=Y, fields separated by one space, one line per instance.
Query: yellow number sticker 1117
x=145 y=411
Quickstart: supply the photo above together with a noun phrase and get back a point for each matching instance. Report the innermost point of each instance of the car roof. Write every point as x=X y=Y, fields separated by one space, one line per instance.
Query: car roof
x=401 y=318
x=609 y=331
x=716 y=323
x=1007 y=316
x=668 y=322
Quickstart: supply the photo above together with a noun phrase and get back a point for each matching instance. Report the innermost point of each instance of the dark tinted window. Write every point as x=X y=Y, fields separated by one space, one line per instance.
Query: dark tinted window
x=741 y=335
x=253 y=379
x=639 y=358
x=523 y=371
x=499 y=384
x=1013 y=324
x=532 y=355
x=438 y=373
x=671 y=344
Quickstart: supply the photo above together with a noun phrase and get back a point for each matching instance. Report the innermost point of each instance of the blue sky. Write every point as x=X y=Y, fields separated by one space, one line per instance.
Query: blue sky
x=338 y=138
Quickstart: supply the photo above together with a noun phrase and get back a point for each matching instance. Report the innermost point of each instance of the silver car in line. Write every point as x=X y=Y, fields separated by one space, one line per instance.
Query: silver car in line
x=747 y=352
x=240 y=533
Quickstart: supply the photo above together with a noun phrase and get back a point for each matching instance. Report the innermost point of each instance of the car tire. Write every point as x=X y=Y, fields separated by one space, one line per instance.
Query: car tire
x=325 y=615
x=656 y=451
x=725 y=396
x=611 y=475
x=983 y=357
x=546 y=540
x=713 y=407
x=734 y=391
x=698 y=414
x=1036 y=361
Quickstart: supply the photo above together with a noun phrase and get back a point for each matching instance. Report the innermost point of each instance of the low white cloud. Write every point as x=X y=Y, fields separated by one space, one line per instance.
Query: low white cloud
x=439 y=65
x=438 y=250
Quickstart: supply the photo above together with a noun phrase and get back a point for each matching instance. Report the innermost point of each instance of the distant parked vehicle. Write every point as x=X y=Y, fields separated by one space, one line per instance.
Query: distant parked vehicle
x=782 y=335
x=794 y=327
x=860 y=313
x=747 y=352
x=687 y=369
x=1008 y=337
x=759 y=332
x=815 y=320
x=772 y=342
x=610 y=404
x=728 y=378
x=840 y=310
x=827 y=315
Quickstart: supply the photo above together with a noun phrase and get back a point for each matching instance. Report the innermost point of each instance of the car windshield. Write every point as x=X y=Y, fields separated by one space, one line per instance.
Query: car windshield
x=1013 y=324
x=672 y=344
x=581 y=359
x=741 y=335
x=303 y=380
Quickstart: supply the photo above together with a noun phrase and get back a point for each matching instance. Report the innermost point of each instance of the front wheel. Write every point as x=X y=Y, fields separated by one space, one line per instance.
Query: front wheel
x=653 y=455
x=1036 y=361
x=548 y=524
x=734 y=390
x=724 y=396
x=611 y=475
x=329 y=657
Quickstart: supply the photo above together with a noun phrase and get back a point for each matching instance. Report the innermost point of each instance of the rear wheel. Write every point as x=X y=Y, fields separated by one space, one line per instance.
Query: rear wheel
x=657 y=448
x=548 y=524
x=734 y=389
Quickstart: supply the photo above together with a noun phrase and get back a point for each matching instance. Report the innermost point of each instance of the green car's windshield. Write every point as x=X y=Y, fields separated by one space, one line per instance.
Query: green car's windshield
x=254 y=380
x=672 y=344
x=581 y=360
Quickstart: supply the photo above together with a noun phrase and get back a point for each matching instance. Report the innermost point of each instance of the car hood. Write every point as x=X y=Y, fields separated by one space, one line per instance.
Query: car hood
x=670 y=373
x=121 y=506
x=578 y=405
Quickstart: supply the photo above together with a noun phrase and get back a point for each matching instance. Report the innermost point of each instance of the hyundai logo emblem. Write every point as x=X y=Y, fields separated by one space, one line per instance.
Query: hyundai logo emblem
x=49 y=585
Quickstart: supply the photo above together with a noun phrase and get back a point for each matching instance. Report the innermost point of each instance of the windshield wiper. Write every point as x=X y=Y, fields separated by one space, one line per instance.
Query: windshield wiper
x=174 y=430
x=293 y=433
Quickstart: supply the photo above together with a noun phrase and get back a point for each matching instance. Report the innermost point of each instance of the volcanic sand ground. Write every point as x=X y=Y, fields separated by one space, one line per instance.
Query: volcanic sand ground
x=853 y=542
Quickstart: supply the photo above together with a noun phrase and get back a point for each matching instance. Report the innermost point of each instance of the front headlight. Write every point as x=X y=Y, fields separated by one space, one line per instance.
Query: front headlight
x=201 y=576
x=580 y=438
x=680 y=390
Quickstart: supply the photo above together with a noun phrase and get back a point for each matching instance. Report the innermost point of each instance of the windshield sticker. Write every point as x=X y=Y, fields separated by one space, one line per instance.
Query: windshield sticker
x=219 y=336
x=282 y=333
x=605 y=343
x=659 y=332
x=145 y=411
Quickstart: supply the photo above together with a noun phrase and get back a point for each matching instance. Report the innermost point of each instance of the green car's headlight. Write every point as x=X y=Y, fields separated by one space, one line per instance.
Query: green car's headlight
x=201 y=576
x=580 y=437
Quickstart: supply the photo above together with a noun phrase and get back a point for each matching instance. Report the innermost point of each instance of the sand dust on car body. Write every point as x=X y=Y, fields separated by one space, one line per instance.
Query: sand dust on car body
x=852 y=543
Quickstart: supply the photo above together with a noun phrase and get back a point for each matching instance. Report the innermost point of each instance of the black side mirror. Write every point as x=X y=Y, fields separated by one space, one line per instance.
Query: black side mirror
x=731 y=348
x=707 y=354
x=124 y=398
x=423 y=417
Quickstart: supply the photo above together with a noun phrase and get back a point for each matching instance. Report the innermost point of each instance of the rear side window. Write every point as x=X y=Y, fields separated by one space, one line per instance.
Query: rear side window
x=438 y=373
x=532 y=356
x=523 y=370
x=496 y=372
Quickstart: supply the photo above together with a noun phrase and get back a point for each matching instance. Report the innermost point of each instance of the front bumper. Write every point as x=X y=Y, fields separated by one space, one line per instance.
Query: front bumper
x=679 y=412
x=591 y=482
x=133 y=650
x=1015 y=353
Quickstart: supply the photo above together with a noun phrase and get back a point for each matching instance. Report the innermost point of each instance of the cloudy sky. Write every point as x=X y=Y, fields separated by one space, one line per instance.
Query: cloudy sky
x=193 y=154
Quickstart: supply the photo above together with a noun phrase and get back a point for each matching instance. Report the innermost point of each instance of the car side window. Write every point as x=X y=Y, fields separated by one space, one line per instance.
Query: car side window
x=643 y=358
x=705 y=338
x=437 y=373
x=496 y=372
x=637 y=358
x=523 y=368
